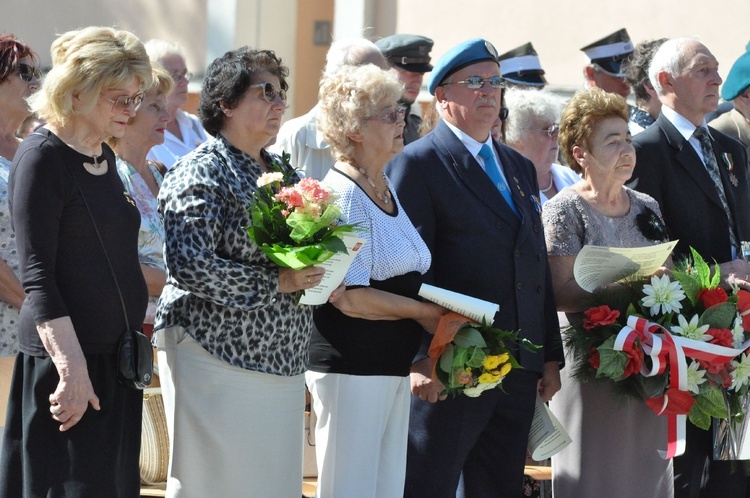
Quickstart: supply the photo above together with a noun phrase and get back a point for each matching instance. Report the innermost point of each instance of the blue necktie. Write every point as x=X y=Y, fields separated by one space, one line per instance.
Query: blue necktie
x=493 y=171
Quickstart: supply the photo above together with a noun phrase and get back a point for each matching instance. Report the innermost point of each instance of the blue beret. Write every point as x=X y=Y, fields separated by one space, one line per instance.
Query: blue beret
x=460 y=56
x=738 y=78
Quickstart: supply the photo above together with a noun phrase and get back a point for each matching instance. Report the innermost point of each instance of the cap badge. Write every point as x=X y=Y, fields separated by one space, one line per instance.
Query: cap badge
x=490 y=48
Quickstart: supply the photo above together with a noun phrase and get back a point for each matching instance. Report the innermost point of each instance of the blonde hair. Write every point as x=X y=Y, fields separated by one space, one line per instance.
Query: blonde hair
x=347 y=97
x=84 y=62
x=579 y=118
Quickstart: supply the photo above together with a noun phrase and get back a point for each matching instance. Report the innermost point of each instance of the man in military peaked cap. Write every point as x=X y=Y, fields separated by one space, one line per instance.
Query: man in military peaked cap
x=475 y=203
x=605 y=57
x=409 y=56
x=521 y=67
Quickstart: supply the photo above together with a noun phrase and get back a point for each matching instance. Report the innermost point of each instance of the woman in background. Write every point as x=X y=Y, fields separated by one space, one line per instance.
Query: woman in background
x=19 y=79
x=142 y=178
x=532 y=129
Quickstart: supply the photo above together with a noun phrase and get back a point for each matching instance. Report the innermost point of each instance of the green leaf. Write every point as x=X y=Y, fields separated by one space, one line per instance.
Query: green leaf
x=469 y=336
x=719 y=316
x=690 y=285
x=707 y=404
x=446 y=359
x=612 y=363
x=476 y=357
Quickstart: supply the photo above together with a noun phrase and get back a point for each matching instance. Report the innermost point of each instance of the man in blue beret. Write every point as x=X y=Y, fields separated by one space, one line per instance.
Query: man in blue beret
x=475 y=202
x=736 y=89
x=699 y=177
x=409 y=57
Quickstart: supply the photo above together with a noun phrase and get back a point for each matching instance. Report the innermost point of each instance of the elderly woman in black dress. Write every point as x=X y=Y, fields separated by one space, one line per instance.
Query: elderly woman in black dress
x=72 y=429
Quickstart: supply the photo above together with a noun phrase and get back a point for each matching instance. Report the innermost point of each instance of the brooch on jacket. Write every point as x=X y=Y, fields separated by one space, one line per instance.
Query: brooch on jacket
x=729 y=163
x=128 y=198
x=651 y=226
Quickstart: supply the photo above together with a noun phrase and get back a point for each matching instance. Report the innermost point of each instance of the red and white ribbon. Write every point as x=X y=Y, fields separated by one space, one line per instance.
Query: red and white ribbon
x=666 y=349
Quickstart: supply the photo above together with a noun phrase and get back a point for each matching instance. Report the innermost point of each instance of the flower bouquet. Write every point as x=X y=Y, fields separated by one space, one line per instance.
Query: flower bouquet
x=295 y=223
x=678 y=343
x=470 y=358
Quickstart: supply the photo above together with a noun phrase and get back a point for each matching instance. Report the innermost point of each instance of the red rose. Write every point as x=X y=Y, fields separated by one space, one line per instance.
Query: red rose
x=601 y=315
x=721 y=337
x=594 y=358
x=635 y=359
x=710 y=297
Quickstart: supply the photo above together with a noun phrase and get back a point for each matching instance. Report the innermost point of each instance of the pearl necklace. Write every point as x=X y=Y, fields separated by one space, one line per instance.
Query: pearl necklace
x=551 y=184
x=386 y=199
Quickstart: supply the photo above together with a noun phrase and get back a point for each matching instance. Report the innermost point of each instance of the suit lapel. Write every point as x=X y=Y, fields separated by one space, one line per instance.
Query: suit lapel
x=727 y=176
x=688 y=159
x=472 y=175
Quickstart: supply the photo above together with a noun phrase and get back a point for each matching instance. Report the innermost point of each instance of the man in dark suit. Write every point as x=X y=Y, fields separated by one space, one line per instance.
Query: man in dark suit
x=476 y=204
x=698 y=176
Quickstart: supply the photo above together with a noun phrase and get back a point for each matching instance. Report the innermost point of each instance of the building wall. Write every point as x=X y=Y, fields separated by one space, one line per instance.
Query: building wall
x=559 y=29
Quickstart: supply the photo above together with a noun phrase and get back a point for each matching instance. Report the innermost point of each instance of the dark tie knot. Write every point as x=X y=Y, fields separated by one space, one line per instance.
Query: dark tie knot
x=702 y=135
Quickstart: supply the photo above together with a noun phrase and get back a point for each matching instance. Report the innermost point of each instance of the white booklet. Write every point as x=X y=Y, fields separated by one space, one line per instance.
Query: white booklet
x=471 y=307
x=336 y=269
x=596 y=266
x=546 y=437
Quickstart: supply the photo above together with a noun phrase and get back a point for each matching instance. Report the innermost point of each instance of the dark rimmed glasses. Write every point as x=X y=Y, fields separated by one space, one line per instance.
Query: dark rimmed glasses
x=390 y=117
x=270 y=92
x=477 y=82
x=29 y=73
x=121 y=103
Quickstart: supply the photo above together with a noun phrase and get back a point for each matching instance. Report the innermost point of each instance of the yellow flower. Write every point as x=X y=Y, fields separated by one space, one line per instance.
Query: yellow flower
x=505 y=369
x=488 y=378
x=491 y=362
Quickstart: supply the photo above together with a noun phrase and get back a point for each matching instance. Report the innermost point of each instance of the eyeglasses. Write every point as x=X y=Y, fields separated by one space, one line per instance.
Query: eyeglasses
x=270 y=92
x=29 y=73
x=184 y=75
x=390 y=117
x=477 y=82
x=552 y=132
x=122 y=103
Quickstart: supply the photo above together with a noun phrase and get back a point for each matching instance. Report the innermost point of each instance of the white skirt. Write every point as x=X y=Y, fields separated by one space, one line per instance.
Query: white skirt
x=233 y=432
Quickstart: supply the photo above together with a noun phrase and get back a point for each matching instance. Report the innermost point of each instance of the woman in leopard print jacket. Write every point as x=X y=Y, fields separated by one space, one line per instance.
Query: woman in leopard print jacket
x=232 y=342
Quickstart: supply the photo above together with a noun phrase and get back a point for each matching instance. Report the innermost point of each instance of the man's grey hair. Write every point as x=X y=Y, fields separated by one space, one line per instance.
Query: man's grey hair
x=527 y=105
x=353 y=52
x=670 y=59
x=159 y=49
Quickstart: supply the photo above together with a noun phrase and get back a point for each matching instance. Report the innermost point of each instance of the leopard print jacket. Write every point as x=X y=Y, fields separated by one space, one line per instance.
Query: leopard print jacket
x=220 y=287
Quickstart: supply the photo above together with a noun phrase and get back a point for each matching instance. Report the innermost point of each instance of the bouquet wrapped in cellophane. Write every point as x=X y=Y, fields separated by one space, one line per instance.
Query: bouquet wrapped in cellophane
x=295 y=223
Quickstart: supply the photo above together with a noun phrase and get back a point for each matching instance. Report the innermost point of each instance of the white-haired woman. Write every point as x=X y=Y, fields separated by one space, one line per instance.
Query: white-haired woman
x=73 y=430
x=184 y=131
x=364 y=341
x=532 y=129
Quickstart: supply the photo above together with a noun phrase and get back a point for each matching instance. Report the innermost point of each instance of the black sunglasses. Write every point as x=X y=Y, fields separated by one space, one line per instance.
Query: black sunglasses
x=29 y=73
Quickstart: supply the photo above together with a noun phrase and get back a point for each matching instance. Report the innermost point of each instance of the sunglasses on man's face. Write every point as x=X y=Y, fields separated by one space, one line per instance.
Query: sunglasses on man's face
x=477 y=82
x=270 y=92
x=29 y=73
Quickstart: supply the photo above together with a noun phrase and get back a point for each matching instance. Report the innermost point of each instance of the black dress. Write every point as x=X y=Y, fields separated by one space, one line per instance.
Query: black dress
x=64 y=272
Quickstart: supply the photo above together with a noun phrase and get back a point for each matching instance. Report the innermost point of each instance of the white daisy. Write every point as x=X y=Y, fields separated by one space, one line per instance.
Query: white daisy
x=691 y=330
x=663 y=295
x=738 y=333
x=695 y=377
x=741 y=372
